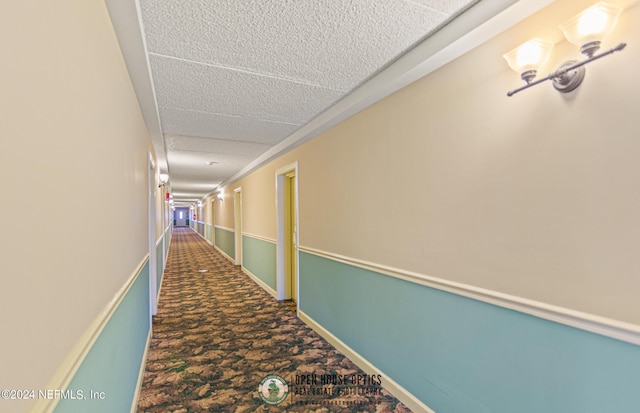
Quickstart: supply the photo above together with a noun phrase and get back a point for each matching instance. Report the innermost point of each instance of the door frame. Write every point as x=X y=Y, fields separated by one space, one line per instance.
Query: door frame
x=282 y=283
x=213 y=221
x=151 y=210
x=237 y=223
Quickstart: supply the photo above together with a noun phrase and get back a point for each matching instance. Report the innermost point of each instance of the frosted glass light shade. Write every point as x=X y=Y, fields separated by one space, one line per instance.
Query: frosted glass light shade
x=527 y=58
x=591 y=25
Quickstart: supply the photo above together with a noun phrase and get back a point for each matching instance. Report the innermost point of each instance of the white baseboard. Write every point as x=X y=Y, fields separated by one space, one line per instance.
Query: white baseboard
x=390 y=385
x=136 y=395
x=260 y=283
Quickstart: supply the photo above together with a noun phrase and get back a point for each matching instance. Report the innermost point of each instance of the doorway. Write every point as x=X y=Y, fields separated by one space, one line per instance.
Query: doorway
x=288 y=226
x=181 y=217
x=291 y=228
x=213 y=222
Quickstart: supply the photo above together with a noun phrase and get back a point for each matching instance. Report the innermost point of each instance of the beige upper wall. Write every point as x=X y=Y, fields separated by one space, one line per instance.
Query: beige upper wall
x=258 y=200
x=258 y=215
x=74 y=174
x=223 y=210
x=530 y=195
x=533 y=195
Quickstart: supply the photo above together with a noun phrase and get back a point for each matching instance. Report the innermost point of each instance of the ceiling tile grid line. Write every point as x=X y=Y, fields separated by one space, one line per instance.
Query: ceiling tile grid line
x=200 y=111
x=247 y=71
x=212 y=145
x=228 y=115
x=223 y=127
x=188 y=86
x=446 y=7
x=337 y=43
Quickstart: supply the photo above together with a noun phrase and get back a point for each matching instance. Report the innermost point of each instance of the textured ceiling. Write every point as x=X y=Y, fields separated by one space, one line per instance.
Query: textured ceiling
x=234 y=78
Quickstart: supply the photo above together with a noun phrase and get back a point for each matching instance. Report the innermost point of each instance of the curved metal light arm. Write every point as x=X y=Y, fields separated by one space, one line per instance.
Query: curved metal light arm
x=564 y=70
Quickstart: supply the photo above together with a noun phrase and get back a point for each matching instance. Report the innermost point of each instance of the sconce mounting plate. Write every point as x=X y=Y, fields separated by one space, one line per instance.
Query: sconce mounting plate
x=568 y=77
x=570 y=74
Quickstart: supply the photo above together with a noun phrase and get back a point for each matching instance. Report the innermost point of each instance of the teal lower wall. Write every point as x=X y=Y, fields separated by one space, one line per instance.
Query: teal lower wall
x=199 y=227
x=460 y=355
x=167 y=242
x=207 y=233
x=259 y=257
x=113 y=364
x=159 y=265
x=225 y=240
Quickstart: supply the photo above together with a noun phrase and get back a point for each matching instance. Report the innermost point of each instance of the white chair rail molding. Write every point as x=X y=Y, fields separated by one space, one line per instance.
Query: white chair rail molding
x=586 y=30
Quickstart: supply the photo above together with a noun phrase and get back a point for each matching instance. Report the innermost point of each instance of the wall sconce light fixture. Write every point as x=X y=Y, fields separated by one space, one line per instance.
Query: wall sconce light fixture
x=220 y=197
x=164 y=178
x=528 y=57
x=585 y=30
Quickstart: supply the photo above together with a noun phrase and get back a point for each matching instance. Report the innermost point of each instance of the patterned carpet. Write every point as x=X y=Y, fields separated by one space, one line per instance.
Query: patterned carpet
x=218 y=336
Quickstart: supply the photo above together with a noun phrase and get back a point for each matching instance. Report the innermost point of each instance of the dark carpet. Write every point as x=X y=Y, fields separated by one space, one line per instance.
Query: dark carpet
x=218 y=336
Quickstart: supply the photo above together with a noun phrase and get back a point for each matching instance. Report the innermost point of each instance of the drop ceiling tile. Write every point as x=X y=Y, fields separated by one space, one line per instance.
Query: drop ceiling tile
x=191 y=177
x=200 y=124
x=449 y=7
x=232 y=78
x=336 y=44
x=198 y=160
x=192 y=188
x=214 y=146
x=193 y=165
x=191 y=86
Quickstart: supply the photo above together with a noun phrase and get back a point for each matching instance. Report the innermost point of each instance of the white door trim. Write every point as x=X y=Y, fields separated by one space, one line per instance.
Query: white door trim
x=151 y=204
x=213 y=221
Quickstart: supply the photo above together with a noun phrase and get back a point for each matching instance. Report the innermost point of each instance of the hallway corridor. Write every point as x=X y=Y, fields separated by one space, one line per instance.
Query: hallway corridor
x=217 y=335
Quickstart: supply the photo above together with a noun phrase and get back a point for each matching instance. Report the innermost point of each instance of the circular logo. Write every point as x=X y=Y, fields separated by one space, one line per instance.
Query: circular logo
x=273 y=389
